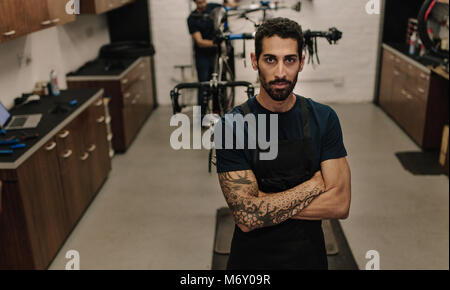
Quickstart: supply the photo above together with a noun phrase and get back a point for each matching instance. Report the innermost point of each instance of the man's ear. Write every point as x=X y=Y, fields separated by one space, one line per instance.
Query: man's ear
x=254 y=61
x=302 y=63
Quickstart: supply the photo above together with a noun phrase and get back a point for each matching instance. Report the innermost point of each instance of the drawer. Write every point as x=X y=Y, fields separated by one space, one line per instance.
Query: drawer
x=139 y=71
x=134 y=92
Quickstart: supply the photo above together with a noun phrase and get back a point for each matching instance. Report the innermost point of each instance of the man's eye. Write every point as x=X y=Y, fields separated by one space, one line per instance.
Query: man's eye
x=290 y=60
x=270 y=60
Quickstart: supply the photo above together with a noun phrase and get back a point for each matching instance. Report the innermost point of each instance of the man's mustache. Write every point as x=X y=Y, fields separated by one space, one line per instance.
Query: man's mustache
x=277 y=82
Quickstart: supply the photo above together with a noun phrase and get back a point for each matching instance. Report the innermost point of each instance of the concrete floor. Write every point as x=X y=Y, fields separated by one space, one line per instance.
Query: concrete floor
x=157 y=208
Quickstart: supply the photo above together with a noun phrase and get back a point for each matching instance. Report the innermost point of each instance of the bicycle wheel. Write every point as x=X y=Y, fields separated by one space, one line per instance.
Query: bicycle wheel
x=431 y=16
x=227 y=95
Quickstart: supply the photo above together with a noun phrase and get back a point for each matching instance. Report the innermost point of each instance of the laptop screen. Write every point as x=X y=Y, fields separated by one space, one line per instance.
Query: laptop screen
x=4 y=115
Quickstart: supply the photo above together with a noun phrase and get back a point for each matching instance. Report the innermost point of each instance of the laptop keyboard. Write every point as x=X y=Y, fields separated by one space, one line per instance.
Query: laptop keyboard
x=18 y=122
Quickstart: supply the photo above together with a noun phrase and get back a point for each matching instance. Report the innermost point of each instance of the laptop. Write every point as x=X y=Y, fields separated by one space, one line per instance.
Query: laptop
x=17 y=122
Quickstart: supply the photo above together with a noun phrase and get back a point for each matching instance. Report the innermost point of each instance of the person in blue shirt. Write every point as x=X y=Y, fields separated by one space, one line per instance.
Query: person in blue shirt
x=202 y=31
x=278 y=204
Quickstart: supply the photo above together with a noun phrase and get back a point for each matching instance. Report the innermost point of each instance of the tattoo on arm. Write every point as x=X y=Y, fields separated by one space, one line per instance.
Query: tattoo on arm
x=240 y=189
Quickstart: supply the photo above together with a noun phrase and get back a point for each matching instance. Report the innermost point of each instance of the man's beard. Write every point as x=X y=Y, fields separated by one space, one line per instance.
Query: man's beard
x=278 y=94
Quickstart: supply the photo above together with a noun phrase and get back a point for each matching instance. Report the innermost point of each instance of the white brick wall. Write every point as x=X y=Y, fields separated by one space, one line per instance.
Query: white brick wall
x=63 y=48
x=352 y=61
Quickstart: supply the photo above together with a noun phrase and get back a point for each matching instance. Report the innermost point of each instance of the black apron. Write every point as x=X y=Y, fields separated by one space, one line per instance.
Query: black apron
x=292 y=244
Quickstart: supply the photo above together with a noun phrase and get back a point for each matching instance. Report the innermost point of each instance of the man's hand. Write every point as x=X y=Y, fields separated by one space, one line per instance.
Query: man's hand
x=334 y=203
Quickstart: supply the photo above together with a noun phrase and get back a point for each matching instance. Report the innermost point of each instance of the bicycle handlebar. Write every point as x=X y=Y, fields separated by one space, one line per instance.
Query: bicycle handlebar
x=174 y=93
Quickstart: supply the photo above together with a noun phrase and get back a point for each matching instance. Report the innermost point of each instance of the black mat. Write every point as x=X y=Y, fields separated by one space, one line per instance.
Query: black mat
x=339 y=254
x=421 y=162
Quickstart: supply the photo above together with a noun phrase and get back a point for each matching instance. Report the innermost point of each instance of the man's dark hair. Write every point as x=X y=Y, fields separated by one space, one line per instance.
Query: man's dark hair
x=282 y=27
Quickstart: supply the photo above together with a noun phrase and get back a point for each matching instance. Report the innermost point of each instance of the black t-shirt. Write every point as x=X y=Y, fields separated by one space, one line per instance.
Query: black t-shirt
x=324 y=125
x=205 y=26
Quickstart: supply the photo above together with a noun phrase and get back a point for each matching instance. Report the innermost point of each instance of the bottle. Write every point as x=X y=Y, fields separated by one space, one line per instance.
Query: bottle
x=54 y=89
x=412 y=44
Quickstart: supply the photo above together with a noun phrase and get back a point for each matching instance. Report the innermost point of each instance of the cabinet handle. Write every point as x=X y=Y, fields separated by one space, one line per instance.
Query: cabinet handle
x=127 y=95
x=138 y=96
x=9 y=33
x=46 y=22
x=51 y=146
x=403 y=92
x=133 y=101
x=67 y=154
x=421 y=90
x=84 y=157
x=99 y=103
x=124 y=81
x=64 y=134
x=143 y=78
x=142 y=65
x=109 y=137
x=92 y=148
x=101 y=119
x=56 y=20
x=396 y=73
x=108 y=120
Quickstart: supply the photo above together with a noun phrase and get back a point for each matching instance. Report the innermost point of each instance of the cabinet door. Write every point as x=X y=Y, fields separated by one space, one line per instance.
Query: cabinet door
x=44 y=204
x=35 y=14
x=130 y=124
x=387 y=72
x=72 y=176
x=97 y=145
x=57 y=12
x=11 y=20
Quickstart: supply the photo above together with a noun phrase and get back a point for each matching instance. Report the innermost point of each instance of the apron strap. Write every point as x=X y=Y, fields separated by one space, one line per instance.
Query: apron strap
x=305 y=117
x=245 y=108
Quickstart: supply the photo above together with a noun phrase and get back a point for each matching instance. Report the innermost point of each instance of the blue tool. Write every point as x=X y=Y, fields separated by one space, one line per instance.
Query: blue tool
x=9 y=142
x=2 y=132
x=6 y=151
x=17 y=146
x=73 y=103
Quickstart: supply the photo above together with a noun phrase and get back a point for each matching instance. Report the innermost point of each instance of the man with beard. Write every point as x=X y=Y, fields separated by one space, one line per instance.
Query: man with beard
x=278 y=204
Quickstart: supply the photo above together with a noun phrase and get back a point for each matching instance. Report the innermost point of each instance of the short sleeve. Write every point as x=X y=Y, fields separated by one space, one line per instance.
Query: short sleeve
x=332 y=141
x=230 y=159
x=192 y=25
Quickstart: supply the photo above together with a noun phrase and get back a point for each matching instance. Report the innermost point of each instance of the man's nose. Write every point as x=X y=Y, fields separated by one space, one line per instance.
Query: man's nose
x=280 y=71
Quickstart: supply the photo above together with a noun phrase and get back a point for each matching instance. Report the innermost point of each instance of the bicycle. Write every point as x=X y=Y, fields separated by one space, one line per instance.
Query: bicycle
x=433 y=15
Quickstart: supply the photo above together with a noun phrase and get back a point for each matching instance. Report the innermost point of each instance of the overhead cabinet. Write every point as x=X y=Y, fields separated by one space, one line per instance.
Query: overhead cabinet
x=20 y=17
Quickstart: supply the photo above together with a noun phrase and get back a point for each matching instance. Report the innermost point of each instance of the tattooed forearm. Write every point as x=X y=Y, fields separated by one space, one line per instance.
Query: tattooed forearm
x=254 y=210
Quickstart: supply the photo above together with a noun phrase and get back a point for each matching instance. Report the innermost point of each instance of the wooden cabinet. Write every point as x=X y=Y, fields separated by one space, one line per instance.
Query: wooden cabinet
x=57 y=12
x=20 y=17
x=131 y=99
x=12 y=24
x=415 y=99
x=46 y=195
x=101 y=6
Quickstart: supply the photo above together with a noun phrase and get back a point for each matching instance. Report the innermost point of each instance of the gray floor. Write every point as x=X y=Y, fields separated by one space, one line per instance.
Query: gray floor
x=157 y=208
